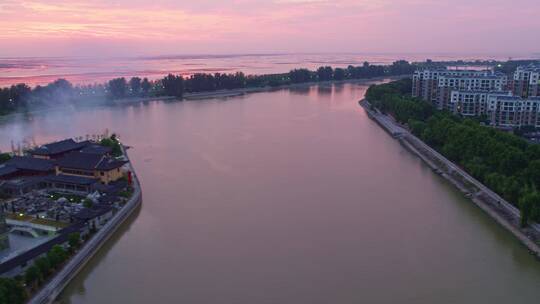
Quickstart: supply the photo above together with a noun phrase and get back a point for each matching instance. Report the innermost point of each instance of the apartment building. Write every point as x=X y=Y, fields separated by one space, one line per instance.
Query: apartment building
x=472 y=103
x=513 y=111
x=526 y=81
x=495 y=82
x=436 y=85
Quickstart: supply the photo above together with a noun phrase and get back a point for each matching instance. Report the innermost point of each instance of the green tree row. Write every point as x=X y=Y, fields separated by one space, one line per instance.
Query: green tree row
x=12 y=291
x=504 y=162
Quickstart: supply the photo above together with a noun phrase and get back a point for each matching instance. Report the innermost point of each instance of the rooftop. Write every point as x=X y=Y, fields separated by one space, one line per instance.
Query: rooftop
x=59 y=147
x=27 y=163
x=89 y=161
x=96 y=149
x=90 y=213
x=31 y=163
x=71 y=179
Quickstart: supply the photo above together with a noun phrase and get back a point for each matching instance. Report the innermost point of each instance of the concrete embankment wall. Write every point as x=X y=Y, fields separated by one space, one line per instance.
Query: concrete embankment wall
x=495 y=206
x=53 y=288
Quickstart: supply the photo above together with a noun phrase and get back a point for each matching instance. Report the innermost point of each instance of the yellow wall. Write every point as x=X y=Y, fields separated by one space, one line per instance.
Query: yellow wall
x=107 y=177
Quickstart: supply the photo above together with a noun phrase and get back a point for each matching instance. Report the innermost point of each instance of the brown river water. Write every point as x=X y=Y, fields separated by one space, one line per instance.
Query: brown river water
x=291 y=196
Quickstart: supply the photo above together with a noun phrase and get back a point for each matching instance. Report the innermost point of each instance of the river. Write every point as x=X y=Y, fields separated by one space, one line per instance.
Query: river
x=290 y=196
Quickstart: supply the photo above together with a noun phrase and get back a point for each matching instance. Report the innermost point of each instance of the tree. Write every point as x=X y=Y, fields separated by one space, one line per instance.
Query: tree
x=339 y=74
x=173 y=85
x=74 y=240
x=117 y=88
x=113 y=143
x=300 y=75
x=146 y=86
x=32 y=275
x=325 y=73
x=11 y=292
x=135 y=86
x=44 y=266
x=4 y=157
x=57 y=255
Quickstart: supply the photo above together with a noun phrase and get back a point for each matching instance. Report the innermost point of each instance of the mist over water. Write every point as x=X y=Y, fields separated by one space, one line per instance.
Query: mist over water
x=290 y=196
x=86 y=70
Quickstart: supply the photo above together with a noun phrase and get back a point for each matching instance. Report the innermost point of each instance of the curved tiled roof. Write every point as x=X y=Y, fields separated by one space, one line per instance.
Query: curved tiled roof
x=59 y=147
x=89 y=161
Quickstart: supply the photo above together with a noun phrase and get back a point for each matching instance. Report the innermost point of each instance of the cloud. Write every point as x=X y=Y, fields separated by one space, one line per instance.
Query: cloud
x=118 y=26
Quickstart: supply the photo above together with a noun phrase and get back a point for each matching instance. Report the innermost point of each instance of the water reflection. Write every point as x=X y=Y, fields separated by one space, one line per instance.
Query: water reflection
x=77 y=286
x=300 y=90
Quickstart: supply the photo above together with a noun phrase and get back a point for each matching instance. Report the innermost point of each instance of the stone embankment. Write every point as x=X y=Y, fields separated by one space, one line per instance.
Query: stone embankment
x=498 y=208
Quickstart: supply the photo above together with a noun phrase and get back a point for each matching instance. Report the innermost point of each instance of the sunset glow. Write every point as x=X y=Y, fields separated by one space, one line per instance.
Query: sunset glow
x=61 y=27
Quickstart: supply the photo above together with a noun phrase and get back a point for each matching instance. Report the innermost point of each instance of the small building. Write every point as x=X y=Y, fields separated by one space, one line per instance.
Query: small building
x=94 y=217
x=20 y=186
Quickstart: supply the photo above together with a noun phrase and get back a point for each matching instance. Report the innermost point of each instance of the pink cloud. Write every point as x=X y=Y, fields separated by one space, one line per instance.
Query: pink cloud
x=101 y=27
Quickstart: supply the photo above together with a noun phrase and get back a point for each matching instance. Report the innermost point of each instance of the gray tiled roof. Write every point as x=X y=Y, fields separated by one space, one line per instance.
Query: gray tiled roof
x=71 y=179
x=96 y=149
x=88 y=161
x=59 y=147
x=30 y=163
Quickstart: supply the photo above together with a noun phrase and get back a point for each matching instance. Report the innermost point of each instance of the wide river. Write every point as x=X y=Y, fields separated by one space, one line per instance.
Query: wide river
x=292 y=196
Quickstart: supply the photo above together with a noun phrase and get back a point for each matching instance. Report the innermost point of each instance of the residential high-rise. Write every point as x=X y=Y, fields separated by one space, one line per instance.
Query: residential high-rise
x=436 y=85
x=526 y=82
x=513 y=111
x=483 y=81
x=471 y=103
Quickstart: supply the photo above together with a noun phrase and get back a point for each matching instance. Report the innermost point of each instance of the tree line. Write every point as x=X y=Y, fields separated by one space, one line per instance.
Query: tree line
x=504 y=162
x=17 y=290
x=61 y=91
x=177 y=85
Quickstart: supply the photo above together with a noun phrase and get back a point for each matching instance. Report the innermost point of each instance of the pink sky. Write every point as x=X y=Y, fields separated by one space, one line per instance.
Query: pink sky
x=144 y=27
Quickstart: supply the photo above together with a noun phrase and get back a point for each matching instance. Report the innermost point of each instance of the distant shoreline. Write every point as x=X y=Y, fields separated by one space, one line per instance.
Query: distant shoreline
x=210 y=94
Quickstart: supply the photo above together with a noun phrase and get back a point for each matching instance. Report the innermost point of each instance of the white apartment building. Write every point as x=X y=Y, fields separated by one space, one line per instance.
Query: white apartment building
x=435 y=85
x=471 y=103
x=513 y=111
x=526 y=82
x=481 y=82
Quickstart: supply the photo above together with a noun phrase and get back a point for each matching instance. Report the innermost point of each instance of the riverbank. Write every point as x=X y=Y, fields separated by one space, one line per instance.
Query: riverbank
x=54 y=287
x=491 y=203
